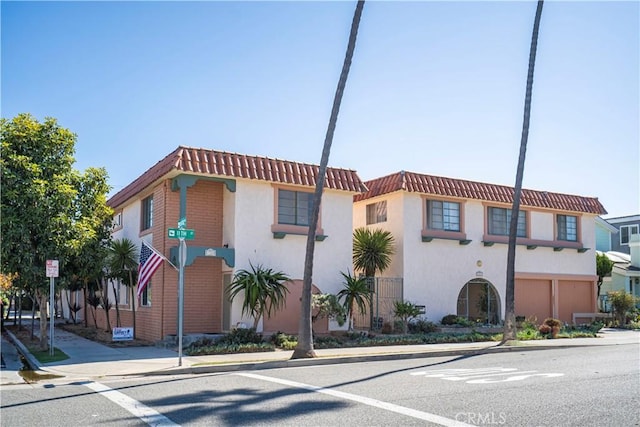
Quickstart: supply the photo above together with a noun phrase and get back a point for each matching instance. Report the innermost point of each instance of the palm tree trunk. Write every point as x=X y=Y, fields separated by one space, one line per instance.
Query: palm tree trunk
x=115 y=292
x=304 y=349
x=510 y=332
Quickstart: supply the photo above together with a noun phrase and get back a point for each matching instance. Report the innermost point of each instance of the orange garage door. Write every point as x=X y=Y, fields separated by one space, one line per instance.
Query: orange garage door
x=533 y=298
x=575 y=297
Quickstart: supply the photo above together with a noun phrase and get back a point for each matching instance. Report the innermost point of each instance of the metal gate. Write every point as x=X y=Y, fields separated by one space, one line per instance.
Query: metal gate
x=385 y=291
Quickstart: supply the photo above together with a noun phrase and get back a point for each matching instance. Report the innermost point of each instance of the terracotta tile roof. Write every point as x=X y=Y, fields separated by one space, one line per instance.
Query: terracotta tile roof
x=428 y=184
x=204 y=161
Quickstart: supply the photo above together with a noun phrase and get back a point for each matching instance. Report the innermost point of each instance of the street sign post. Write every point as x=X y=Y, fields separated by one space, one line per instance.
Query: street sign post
x=183 y=234
x=52 y=270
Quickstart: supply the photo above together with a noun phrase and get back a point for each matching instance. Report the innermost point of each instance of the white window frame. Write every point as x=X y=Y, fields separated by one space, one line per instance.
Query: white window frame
x=629 y=231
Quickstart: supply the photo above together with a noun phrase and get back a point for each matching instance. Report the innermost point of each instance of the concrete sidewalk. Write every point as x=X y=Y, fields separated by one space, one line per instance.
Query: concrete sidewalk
x=92 y=360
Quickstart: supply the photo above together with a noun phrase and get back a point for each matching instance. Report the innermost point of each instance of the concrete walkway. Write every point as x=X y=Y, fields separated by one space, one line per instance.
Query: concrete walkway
x=92 y=360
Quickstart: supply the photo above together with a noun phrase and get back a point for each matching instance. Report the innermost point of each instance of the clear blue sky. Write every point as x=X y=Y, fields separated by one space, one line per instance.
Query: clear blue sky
x=435 y=87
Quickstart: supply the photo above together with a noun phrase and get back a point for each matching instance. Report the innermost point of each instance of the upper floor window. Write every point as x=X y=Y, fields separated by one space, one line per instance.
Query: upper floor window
x=117 y=220
x=443 y=215
x=499 y=222
x=147 y=213
x=567 y=226
x=626 y=231
x=294 y=207
x=377 y=212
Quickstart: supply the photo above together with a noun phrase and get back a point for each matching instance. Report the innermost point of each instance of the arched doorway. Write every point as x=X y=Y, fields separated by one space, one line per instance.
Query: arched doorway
x=478 y=301
x=286 y=320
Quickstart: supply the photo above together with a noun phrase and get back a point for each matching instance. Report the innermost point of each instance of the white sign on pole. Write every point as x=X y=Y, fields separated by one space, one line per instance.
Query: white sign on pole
x=52 y=268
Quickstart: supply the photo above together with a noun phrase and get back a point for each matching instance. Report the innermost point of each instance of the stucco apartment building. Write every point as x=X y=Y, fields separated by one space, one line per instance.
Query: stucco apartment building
x=245 y=210
x=451 y=246
x=251 y=210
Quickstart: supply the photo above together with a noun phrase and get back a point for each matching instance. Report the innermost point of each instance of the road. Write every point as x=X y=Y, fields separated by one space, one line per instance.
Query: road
x=588 y=386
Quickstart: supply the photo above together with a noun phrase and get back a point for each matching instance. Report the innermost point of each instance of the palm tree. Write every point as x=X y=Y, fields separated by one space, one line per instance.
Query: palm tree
x=264 y=291
x=304 y=349
x=356 y=292
x=372 y=250
x=510 y=315
x=123 y=265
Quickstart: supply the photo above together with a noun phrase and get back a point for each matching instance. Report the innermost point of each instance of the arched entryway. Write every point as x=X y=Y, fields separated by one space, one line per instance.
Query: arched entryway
x=478 y=301
x=286 y=320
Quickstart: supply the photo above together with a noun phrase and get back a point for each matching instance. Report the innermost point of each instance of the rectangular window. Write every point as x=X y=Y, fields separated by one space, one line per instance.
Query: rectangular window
x=294 y=207
x=123 y=294
x=145 y=298
x=500 y=221
x=567 y=227
x=443 y=215
x=147 y=213
x=377 y=212
x=117 y=220
x=626 y=231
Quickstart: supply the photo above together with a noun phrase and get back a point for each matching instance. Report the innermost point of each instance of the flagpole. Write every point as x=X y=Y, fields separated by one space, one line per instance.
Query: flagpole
x=159 y=254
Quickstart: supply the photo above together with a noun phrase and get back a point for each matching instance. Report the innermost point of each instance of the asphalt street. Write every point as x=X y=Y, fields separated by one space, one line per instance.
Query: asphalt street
x=594 y=386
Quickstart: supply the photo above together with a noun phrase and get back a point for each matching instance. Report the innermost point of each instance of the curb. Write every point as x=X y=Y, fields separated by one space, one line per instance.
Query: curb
x=332 y=360
x=24 y=351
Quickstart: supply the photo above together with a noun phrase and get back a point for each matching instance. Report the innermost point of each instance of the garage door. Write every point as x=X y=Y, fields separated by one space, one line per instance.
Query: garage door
x=575 y=297
x=533 y=298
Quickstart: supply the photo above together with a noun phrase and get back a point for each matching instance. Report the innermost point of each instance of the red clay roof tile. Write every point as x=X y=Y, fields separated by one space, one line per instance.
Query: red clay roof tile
x=204 y=161
x=440 y=186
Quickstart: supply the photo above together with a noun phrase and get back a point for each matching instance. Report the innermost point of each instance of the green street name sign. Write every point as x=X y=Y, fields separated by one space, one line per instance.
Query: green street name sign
x=180 y=233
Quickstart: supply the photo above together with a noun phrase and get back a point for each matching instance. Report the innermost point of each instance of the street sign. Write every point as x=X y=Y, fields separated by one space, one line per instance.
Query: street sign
x=182 y=223
x=179 y=233
x=52 y=268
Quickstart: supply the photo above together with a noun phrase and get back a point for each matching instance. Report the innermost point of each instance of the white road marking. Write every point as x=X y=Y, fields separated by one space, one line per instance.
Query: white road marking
x=481 y=375
x=146 y=414
x=436 y=419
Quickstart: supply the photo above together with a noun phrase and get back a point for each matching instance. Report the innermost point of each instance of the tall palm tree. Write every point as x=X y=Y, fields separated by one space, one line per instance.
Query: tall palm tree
x=264 y=291
x=372 y=250
x=510 y=316
x=356 y=292
x=123 y=265
x=304 y=349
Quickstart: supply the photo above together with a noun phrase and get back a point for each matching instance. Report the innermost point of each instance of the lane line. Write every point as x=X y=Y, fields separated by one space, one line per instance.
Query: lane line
x=145 y=413
x=426 y=416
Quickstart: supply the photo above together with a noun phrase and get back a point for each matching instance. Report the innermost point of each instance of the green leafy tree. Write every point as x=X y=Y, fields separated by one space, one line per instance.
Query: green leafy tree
x=510 y=329
x=304 y=349
x=604 y=266
x=43 y=203
x=123 y=266
x=372 y=250
x=264 y=291
x=355 y=293
x=622 y=303
x=405 y=311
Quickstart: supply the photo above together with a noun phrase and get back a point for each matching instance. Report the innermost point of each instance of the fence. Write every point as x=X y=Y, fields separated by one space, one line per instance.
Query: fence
x=385 y=291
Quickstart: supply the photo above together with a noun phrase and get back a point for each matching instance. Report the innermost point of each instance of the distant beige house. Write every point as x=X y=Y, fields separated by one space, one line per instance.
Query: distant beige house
x=452 y=237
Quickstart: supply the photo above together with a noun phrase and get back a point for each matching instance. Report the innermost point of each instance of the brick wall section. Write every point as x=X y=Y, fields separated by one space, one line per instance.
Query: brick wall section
x=203 y=278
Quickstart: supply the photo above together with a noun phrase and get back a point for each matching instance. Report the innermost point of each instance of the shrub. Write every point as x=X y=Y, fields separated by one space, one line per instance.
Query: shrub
x=621 y=304
x=405 y=311
x=240 y=336
x=449 y=319
x=283 y=341
x=421 y=326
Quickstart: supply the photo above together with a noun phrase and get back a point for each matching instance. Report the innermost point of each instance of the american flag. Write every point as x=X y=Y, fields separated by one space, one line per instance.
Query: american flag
x=150 y=261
